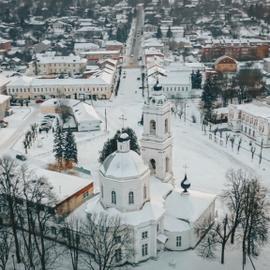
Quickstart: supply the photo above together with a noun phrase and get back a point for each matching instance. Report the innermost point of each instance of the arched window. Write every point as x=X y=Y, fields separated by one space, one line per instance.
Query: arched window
x=166 y=126
x=131 y=197
x=167 y=164
x=101 y=188
x=113 y=197
x=145 y=192
x=152 y=127
x=153 y=166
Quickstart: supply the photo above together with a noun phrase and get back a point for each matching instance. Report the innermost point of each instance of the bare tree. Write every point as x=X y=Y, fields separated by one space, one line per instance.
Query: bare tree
x=41 y=214
x=248 y=216
x=255 y=223
x=35 y=218
x=9 y=190
x=5 y=247
x=107 y=241
x=73 y=229
x=213 y=235
x=234 y=197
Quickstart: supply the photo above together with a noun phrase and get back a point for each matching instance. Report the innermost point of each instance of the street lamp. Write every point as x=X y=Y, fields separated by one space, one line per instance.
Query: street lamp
x=13 y=261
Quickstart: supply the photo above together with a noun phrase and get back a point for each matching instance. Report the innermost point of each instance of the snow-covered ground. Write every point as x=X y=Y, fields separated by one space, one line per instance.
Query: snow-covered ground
x=206 y=162
x=20 y=114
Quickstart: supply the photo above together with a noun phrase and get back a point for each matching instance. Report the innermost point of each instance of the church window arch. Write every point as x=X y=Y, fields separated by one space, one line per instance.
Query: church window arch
x=113 y=197
x=101 y=189
x=166 y=125
x=167 y=165
x=178 y=241
x=152 y=127
x=145 y=192
x=153 y=165
x=131 y=197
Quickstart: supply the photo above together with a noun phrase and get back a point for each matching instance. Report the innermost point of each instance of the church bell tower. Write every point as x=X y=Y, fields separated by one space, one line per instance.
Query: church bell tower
x=156 y=142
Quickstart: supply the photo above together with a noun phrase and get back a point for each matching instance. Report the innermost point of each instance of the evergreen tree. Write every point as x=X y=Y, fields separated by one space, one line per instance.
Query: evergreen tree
x=209 y=96
x=70 y=149
x=169 y=33
x=159 y=33
x=110 y=33
x=58 y=148
x=111 y=144
x=119 y=34
x=196 y=79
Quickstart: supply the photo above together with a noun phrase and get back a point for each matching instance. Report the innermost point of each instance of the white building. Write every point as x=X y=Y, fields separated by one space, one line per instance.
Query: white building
x=176 y=82
x=157 y=137
x=4 y=106
x=86 y=117
x=85 y=47
x=46 y=65
x=252 y=120
x=157 y=214
x=266 y=64
x=100 y=85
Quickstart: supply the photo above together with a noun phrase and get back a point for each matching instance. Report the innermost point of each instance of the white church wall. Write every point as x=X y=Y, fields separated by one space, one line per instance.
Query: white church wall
x=122 y=189
x=150 y=240
x=185 y=240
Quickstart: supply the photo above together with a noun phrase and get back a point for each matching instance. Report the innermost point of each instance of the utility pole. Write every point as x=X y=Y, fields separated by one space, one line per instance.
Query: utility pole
x=106 y=123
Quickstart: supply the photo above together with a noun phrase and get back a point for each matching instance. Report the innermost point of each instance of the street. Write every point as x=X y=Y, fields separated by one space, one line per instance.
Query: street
x=135 y=53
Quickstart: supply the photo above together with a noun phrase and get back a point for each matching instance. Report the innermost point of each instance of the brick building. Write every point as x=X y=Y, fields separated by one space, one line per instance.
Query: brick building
x=239 y=51
x=5 y=45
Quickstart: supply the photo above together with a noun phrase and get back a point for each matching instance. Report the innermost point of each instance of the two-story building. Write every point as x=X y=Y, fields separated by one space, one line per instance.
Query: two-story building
x=251 y=120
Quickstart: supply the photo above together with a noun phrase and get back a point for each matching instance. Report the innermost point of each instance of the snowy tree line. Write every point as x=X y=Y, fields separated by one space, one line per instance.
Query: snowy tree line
x=219 y=90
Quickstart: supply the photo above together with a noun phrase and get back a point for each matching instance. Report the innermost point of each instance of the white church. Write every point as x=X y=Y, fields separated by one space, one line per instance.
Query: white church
x=141 y=190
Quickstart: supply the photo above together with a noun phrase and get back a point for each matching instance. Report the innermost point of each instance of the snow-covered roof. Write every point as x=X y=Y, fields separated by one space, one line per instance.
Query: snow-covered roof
x=85 y=46
x=173 y=224
x=256 y=109
x=63 y=185
x=152 y=42
x=4 y=80
x=100 y=52
x=24 y=81
x=172 y=78
x=113 y=43
x=4 y=98
x=84 y=112
x=149 y=212
x=123 y=165
x=223 y=57
x=187 y=207
x=73 y=59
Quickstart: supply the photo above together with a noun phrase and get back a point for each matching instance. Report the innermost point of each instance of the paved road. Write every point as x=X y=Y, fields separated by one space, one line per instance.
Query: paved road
x=20 y=130
x=136 y=40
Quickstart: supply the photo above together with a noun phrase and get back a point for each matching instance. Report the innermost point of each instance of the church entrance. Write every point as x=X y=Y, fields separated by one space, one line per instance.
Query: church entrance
x=153 y=166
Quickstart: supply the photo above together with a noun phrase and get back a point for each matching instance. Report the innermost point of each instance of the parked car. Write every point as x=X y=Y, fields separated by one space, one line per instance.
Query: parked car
x=39 y=101
x=3 y=124
x=21 y=157
x=48 y=116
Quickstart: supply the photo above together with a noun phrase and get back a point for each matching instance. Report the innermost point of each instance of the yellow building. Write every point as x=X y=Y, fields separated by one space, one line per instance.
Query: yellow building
x=226 y=64
x=4 y=105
